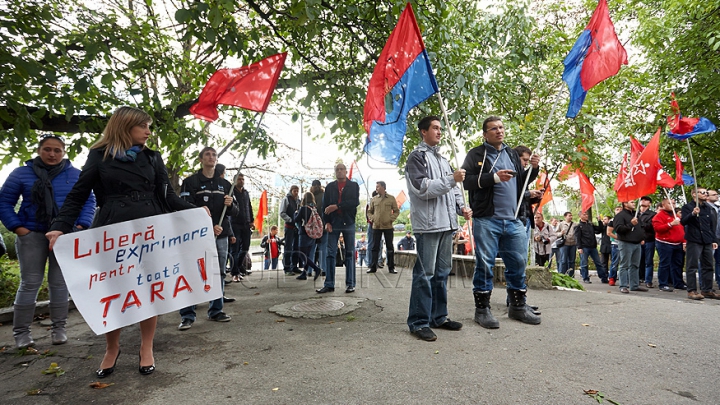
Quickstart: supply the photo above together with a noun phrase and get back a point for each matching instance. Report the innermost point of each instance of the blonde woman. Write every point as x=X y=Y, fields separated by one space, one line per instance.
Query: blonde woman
x=130 y=181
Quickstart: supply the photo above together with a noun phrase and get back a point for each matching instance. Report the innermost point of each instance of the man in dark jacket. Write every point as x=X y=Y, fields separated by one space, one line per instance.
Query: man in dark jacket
x=207 y=188
x=630 y=236
x=587 y=247
x=339 y=208
x=242 y=225
x=494 y=179
x=647 y=258
x=700 y=223
x=288 y=207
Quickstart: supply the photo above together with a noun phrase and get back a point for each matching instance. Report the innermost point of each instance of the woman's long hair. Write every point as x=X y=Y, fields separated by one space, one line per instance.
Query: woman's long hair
x=116 y=136
x=308 y=198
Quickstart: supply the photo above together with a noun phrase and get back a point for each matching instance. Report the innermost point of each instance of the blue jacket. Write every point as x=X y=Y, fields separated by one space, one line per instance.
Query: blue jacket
x=20 y=183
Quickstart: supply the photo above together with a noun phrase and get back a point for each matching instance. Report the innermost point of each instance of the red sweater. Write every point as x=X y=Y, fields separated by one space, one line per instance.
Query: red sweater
x=666 y=233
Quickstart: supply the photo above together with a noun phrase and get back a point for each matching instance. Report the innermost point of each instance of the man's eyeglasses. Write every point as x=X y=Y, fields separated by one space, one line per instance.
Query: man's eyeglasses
x=703 y=192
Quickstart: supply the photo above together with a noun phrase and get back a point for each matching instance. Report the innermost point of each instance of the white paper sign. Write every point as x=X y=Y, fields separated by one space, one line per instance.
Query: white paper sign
x=124 y=273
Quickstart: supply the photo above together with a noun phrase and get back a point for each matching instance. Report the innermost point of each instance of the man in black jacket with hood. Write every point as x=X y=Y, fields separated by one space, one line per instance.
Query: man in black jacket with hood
x=630 y=236
x=587 y=247
x=207 y=188
x=700 y=221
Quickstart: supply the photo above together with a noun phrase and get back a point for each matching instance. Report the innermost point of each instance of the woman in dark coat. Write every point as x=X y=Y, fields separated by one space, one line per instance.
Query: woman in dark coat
x=43 y=183
x=130 y=181
x=305 y=242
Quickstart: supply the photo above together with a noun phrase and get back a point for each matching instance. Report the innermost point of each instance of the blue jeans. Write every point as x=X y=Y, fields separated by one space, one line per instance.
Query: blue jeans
x=716 y=255
x=614 y=260
x=290 y=257
x=629 y=254
x=33 y=254
x=370 y=243
x=505 y=238
x=649 y=256
x=428 y=295
x=323 y=247
x=670 y=266
x=566 y=259
x=216 y=306
x=592 y=253
x=348 y=232
x=361 y=259
x=273 y=262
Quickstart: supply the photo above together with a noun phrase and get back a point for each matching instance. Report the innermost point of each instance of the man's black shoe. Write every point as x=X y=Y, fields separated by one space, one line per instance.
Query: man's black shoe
x=392 y=271
x=371 y=270
x=425 y=334
x=450 y=325
x=185 y=324
x=297 y=271
x=227 y=299
x=350 y=290
x=220 y=317
x=325 y=290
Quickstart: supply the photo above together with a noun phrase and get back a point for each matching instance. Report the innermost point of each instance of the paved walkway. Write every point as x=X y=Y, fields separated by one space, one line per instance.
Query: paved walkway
x=640 y=348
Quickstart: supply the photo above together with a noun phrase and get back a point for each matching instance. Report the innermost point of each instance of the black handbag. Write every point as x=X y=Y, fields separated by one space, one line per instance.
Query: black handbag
x=561 y=240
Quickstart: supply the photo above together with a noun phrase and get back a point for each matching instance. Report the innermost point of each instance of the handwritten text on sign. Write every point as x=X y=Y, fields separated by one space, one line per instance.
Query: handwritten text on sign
x=124 y=273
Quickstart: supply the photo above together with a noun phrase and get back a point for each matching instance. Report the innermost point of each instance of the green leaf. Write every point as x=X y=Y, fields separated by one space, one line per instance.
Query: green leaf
x=183 y=16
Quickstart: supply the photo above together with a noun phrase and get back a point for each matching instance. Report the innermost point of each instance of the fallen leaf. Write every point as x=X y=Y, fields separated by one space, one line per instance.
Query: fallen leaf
x=437 y=351
x=34 y=392
x=652 y=345
x=590 y=392
x=98 y=385
x=279 y=320
x=585 y=324
x=331 y=322
x=258 y=311
x=275 y=389
x=54 y=369
x=257 y=293
x=245 y=363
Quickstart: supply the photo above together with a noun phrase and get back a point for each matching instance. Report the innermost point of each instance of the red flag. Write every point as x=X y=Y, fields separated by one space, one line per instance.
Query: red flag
x=621 y=174
x=565 y=173
x=262 y=212
x=250 y=87
x=641 y=178
x=636 y=149
x=664 y=179
x=678 y=170
x=587 y=191
x=354 y=168
x=544 y=182
x=401 y=198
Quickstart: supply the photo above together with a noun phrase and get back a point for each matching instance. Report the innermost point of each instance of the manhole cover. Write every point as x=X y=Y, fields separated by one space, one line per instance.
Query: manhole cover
x=318 y=306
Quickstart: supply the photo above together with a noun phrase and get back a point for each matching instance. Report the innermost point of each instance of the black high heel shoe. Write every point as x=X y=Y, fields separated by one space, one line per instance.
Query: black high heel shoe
x=145 y=370
x=104 y=372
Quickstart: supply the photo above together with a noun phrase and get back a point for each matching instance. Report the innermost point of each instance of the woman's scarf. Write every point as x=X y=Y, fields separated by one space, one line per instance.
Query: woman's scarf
x=42 y=193
x=129 y=155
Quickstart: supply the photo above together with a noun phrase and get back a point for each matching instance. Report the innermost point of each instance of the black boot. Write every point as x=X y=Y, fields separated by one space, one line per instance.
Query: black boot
x=518 y=310
x=483 y=316
x=535 y=310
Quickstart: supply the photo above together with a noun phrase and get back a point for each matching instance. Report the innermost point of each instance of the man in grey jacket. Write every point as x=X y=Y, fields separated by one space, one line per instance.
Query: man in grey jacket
x=435 y=202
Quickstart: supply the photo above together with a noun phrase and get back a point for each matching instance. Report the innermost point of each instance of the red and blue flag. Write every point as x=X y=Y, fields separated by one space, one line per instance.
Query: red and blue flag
x=402 y=79
x=682 y=128
x=596 y=55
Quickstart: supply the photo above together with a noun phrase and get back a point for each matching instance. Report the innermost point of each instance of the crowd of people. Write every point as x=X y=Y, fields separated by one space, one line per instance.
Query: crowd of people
x=123 y=180
x=684 y=240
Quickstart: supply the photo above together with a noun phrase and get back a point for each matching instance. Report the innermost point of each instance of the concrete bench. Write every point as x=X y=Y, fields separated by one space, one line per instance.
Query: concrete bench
x=464 y=266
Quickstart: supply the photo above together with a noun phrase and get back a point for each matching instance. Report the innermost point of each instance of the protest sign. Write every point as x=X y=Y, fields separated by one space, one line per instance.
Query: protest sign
x=124 y=273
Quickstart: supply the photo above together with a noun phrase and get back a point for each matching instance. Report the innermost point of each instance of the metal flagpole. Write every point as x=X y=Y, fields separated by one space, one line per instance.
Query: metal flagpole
x=540 y=141
x=457 y=160
x=668 y=197
x=692 y=162
x=232 y=188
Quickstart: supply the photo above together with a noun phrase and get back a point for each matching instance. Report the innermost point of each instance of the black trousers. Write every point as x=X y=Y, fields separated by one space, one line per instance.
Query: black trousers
x=378 y=235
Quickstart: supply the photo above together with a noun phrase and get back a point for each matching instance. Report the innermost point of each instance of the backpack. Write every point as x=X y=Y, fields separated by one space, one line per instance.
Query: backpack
x=314 y=225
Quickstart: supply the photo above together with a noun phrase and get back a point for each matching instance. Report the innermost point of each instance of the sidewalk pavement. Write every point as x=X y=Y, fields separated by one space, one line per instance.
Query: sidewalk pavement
x=638 y=348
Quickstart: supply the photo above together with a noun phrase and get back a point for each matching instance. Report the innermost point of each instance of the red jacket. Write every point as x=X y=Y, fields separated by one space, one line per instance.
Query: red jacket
x=666 y=233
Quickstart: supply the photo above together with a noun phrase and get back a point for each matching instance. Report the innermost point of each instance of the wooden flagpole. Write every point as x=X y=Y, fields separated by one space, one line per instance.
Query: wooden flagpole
x=540 y=141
